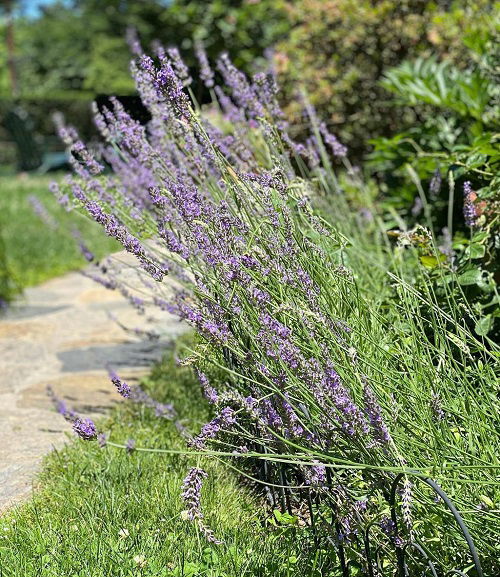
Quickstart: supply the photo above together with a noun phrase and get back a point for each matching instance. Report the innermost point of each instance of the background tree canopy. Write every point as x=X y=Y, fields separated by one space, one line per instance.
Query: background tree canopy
x=77 y=48
x=339 y=50
x=336 y=51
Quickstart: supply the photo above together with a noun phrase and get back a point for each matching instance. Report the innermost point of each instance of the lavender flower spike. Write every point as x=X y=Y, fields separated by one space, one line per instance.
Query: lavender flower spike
x=374 y=413
x=222 y=421
x=206 y=73
x=191 y=495
x=85 y=429
x=191 y=492
x=470 y=213
x=315 y=475
x=337 y=148
x=209 y=391
x=121 y=386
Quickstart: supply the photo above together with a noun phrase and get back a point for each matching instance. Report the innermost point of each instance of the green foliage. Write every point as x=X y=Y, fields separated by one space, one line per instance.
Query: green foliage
x=243 y=28
x=8 y=286
x=338 y=51
x=79 y=46
x=102 y=78
x=459 y=138
x=440 y=84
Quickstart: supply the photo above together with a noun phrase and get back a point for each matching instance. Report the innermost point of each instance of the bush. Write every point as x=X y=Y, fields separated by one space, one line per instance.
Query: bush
x=338 y=51
x=315 y=346
x=444 y=173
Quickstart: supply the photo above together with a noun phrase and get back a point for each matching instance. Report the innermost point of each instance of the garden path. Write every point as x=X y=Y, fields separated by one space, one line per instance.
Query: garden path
x=60 y=334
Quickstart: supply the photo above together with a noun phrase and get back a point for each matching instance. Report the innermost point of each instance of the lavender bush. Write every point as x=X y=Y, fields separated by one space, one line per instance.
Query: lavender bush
x=301 y=353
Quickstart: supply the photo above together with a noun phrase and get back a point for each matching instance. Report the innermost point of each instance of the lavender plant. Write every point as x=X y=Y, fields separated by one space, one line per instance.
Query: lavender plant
x=294 y=351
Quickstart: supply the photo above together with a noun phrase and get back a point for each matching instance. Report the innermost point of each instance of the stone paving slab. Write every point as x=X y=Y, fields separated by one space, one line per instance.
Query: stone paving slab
x=60 y=334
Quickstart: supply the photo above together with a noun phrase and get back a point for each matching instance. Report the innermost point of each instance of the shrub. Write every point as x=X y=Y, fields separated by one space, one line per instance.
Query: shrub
x=338 y=51
x=443 y=172
x=303 y=350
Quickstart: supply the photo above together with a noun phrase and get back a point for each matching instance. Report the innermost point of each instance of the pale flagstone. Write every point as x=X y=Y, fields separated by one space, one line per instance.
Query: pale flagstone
x=60 y=334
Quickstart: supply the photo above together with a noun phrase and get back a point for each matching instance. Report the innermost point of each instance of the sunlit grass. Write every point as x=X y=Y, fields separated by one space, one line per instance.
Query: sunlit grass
x=103 y=512
x=35 y=251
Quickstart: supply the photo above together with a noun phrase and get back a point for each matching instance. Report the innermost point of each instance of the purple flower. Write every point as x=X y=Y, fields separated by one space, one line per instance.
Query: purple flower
x=206 y=73
x=470 y=212
x=162 y=410
x=167 y=83
x=191 y=492
x=40 y=210
x=315 y=475
x=180 y=68
x=61 y=406
x=191 y=495
x=209 y=392
x=374 y=414
x=336 y=147
x=387 y=525
x=133 y=41
x=84 y=249
x=85 y=429
x=130 y=446
x=437 y=407
x=211 y=430
x=121 y=386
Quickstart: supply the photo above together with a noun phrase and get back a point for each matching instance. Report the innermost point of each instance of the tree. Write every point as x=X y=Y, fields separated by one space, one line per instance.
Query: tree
x=77 y=48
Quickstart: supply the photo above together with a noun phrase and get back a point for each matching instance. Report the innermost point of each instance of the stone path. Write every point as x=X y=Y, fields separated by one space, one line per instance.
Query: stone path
x=60 y=334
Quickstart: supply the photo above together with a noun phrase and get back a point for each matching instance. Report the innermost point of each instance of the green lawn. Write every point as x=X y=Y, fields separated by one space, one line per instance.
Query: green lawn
x=35 y=251
x=103 y=512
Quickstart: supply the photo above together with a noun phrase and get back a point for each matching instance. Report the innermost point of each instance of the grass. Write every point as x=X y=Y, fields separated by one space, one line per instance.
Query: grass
x=33 y=251
x=103 y=512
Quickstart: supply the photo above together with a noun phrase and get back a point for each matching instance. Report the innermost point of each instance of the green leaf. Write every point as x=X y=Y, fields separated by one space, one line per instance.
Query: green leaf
x=484 y=325
x=487 y=501
x=432 y=262
x=471 y=277
x=476 y=251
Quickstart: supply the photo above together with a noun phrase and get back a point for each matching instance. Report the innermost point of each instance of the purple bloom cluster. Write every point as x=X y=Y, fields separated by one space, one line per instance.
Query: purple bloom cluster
x=374 y=414
x=211 y=430
x=470 y=212
x=61 y=406
x=209 y=391
x=40 y=210
x=437 y=407
x=162 y=410
x=121 y=386
x=315 y=475
x=191 y=492
x=191 y=495
x=206 y=72
x=85 y=429
x=336 y=147
x=387 y=525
